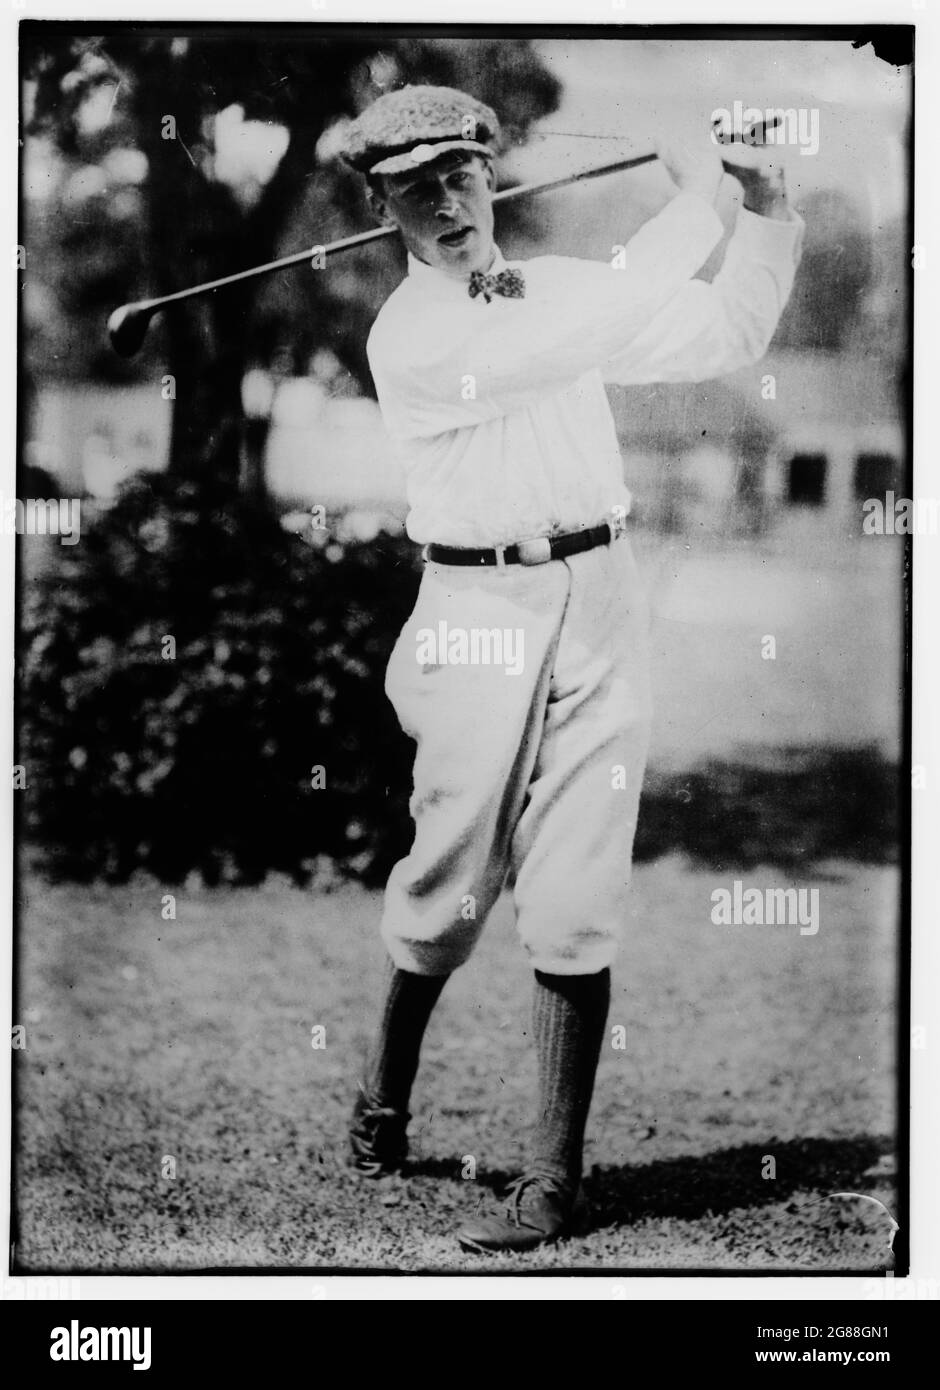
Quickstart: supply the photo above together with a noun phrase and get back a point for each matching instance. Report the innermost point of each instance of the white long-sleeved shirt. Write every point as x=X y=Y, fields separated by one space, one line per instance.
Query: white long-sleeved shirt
x=498 y=410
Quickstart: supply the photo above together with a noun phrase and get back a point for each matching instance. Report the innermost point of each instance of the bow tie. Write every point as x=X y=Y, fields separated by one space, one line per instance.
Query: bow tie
x=509 y=283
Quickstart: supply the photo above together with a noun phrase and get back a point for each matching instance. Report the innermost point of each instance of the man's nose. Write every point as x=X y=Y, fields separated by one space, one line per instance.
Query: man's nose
x=447 y=206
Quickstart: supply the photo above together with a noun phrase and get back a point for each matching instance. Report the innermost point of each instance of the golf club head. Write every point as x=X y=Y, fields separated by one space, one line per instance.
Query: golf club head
x=127 y=327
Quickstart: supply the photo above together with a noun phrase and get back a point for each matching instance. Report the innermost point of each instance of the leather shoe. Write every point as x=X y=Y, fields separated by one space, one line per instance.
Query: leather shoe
x=377 y=1137
x=538 y=1210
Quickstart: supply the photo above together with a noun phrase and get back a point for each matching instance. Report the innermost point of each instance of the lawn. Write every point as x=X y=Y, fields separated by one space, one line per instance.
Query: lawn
x=173 y=1114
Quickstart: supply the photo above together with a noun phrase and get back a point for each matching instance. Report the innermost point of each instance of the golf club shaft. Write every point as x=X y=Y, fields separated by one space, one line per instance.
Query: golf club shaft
x=128 y=325
x=377 y=234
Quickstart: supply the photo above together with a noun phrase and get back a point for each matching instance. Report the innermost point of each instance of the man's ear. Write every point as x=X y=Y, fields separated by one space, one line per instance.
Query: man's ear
x=378 y=204
x=489 y=173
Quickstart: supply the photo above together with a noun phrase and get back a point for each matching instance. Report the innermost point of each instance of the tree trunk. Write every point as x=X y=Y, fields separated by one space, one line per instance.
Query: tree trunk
x=198 y=232
x=206 y=358
x=191 y=222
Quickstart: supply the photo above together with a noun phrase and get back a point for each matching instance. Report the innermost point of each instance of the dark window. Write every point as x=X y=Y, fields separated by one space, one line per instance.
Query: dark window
x=875 y=474
x=807 y=480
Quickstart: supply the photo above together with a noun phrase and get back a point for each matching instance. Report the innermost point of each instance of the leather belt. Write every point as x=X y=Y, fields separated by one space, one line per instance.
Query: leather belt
x=537 y=551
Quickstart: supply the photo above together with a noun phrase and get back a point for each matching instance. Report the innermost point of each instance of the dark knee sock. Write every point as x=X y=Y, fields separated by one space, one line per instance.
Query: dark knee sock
x=407 y=1006
x=569 y=1017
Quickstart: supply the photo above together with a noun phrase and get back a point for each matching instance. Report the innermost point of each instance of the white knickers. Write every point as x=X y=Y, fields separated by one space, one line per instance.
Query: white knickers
x=530 y=758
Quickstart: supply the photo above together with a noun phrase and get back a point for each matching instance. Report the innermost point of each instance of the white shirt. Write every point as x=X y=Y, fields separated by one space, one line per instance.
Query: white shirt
x=498 y=410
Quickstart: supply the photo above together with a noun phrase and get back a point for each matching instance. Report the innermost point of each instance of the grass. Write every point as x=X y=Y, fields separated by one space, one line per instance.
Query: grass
x=190 y=1039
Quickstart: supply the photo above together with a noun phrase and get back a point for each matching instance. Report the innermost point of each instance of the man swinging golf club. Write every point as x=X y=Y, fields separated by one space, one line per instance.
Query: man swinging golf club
x=490 y=377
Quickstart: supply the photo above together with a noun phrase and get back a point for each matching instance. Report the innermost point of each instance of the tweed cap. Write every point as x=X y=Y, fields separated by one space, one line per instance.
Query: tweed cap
x=404 y=129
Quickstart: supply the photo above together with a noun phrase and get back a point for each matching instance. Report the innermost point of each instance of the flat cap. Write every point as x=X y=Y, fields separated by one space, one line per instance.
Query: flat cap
x=402 y=130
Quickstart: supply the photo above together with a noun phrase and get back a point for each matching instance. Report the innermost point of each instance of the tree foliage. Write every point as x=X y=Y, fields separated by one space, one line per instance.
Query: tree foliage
x=184 y=223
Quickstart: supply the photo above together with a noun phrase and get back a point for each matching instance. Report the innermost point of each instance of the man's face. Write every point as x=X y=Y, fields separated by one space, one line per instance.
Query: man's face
x=444 y=212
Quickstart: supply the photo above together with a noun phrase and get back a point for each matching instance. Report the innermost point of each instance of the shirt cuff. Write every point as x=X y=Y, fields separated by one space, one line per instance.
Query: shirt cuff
x=694 y=217
x=769 y=238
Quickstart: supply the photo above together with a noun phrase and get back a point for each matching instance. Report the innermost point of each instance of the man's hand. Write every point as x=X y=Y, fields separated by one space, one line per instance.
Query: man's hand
x=765 y=190
x=697 y=164
x=694 y=164
x=759 y=171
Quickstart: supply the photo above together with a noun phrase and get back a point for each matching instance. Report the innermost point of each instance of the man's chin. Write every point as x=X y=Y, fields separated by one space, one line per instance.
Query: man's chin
x=464 y=256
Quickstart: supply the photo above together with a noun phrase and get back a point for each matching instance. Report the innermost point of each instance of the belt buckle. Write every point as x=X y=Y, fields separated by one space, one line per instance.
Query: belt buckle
x=537 y=551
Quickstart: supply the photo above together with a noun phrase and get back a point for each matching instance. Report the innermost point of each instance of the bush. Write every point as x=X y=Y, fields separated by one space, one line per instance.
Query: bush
x=202 y=760
x=794 y=806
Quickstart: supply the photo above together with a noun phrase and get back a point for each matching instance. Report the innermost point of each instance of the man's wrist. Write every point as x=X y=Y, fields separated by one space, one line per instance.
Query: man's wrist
x=764 y=193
